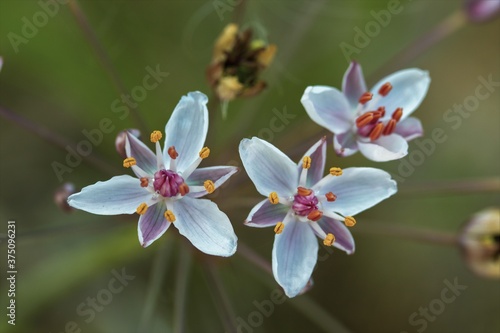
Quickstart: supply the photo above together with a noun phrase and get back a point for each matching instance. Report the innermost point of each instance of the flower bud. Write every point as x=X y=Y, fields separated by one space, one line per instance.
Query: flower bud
x=61 y=195
x=482 y=10
x=120 y=140
x=480 y=243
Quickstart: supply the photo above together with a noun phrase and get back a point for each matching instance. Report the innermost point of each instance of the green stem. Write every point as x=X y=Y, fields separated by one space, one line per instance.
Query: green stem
x=181 y=284
x=104 y=59
x=54 y=139
x=158 y=272
x=408 y=233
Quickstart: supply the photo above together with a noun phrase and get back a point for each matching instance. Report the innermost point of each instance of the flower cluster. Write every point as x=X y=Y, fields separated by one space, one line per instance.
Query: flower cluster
x=300 y=203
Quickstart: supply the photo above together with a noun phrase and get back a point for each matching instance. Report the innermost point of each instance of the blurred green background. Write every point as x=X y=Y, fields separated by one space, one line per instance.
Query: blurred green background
x=57 y=81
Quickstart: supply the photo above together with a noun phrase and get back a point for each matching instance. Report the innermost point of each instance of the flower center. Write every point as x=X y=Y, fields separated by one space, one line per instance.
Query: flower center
x=168 y=183
x=372 y=124
x=304 y=202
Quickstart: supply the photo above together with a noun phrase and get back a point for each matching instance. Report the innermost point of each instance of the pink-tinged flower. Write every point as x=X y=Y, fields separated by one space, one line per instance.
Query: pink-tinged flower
x=375 y=122
x=301 y=204
x=169 y=184
x=482 y=10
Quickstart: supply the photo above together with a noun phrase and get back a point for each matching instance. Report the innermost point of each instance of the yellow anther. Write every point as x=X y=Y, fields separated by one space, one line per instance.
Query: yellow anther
x=155 y=136
x=204 y=152
x=273 y=198
x=169 y=216
x=144 y=182
x=209 y=186
x=349 y=221
x=336 y=171
x=279 y=227
x=306 y=162
x=142 y=208
x=128 y=162
x=329 y=239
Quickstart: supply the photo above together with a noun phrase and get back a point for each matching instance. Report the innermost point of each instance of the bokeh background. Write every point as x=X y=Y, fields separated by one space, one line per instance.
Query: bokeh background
x=59 y=84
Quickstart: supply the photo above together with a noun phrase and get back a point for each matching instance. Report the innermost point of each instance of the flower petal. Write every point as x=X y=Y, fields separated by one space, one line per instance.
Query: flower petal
x=345 y=144
x=343 y=237
x=410 y=128
x=144 y=157
x=357 y=189
x=206 y=227
x=218 y=174
x=328 y=107
x=386 y=148
x=295 y=252
x=152 y=224
x=265 y=214
x=187 y=129
x=119 y=195
x=317 y=153
x=353 y=84
x=268 y=168
x=409 y=87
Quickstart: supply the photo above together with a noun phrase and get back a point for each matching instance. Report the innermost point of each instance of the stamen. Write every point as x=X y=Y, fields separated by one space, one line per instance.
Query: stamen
x=306 y=162
x=155 y=136
x=381 y=110
x=366 y=97
x=144 y=182
x=273 y=198
x=142 y=208
x=376 y=132
x=204 y=152
x=329 y=239
x=330 y=197
x=183 y=189
x=172 y=152
x=209 y=186
x=397 y=114
x=302 y=191
x=389 y=127
x=385 y=89
x=278 y=229
x=315 y=215
x=349 y=221
x=364 y=119
x=128 y=162
x=169 y=215
x=335 y=171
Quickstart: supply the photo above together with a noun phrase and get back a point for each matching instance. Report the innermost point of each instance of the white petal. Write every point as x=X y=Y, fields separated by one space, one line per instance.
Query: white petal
x=295 y=252
x=353 y=84
x=317 y=153
x=268 y=168
x=410 y=128
x=357 y=189
x=328 y=107
x=386 y=148
x=409 y=87
x=345 y=144
x=119 y=195
x=187 y=129
x=265 y=214
x=206 y=227
x=144 y=157
x=218 y=174
x=152 y=224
